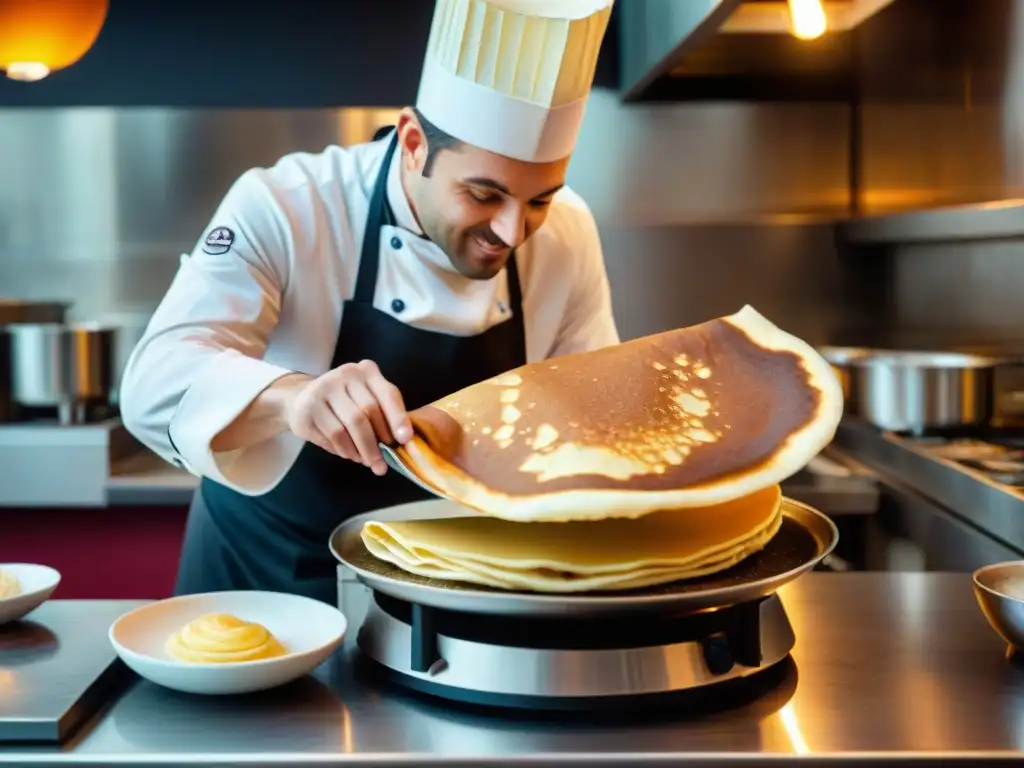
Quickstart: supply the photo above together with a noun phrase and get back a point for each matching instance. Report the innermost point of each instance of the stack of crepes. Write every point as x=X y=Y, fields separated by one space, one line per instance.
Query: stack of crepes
x=652 y=461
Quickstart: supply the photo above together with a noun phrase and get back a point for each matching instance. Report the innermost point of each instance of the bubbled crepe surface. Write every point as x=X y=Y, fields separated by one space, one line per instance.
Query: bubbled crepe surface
x=687 y=418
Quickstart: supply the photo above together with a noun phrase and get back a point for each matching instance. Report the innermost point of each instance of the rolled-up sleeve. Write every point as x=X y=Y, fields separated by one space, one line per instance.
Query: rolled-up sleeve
x=589 y=322
x=199 y=363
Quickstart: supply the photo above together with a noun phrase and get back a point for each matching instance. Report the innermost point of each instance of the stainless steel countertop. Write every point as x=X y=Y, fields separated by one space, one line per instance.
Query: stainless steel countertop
x=888 y=666
x=57 y=670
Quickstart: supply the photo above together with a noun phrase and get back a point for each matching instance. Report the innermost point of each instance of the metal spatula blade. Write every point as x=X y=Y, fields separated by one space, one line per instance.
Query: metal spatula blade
x=393 y=460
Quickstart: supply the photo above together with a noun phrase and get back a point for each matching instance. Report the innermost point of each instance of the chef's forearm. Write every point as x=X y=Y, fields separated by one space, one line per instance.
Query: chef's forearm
x=264 y=418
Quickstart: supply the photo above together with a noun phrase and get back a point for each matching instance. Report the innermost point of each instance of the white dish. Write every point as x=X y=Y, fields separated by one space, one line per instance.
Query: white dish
x=309 y=630
x=37 y=584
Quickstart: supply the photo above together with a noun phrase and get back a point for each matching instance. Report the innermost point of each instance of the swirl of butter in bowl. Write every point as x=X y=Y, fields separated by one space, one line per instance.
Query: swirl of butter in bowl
x=10 y=586
x=218 y=638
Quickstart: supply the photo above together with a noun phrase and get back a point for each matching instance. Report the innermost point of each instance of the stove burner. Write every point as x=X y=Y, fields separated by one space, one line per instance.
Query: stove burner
x=1005 y=436
x=1009 y=473
x=1004 y=467
x=571 y=663
x=995 y=453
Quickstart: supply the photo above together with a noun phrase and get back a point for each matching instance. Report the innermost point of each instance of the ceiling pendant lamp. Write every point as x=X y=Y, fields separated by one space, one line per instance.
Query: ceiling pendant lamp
x=38 y=37
x=808 y=19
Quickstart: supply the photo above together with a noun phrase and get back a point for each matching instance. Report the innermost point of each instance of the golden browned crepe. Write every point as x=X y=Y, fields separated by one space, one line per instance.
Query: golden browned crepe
x=687 y=418
x=612 y=554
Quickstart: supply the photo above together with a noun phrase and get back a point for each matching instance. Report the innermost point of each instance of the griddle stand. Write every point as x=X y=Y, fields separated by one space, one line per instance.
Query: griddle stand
x=467 y=658
x=425 y=656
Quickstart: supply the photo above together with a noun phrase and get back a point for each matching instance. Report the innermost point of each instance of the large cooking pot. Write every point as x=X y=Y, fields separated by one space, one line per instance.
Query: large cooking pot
x=917 y=391
x=29 y=311
x=842 y=359
x=67 y=366
x=14 y=310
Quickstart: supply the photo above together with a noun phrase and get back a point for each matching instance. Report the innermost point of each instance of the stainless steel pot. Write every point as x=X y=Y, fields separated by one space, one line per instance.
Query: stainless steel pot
x=842 y=359
x=14 y=310
x=28 y=311
x=916 y=391
x=65 y=366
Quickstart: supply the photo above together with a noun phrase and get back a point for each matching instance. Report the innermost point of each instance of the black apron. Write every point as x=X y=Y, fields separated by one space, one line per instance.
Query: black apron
x=279 y=541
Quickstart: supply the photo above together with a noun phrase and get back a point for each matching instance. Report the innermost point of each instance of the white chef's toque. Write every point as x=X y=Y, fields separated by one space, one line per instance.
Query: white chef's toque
x=512 y=76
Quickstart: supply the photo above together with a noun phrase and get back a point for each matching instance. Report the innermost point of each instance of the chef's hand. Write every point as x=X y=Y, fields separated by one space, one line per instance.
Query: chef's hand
x=347 y=410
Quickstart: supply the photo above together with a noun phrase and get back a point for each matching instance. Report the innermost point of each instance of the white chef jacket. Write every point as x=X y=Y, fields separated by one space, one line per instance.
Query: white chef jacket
x=231 y=324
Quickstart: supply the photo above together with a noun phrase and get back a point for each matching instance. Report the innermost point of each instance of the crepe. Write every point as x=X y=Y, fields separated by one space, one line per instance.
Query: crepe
x=611 y=554
x=687 y=418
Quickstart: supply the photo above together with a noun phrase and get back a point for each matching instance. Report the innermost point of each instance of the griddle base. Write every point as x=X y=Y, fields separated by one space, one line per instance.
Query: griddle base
x=561 y=665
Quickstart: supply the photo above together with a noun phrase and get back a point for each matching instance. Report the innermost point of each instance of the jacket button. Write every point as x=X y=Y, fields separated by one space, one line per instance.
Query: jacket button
x=397 y=305
x=396 y=243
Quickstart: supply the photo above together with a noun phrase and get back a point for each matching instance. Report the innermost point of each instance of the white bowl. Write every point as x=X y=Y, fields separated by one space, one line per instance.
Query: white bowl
x=37 y=584
x=309 y=630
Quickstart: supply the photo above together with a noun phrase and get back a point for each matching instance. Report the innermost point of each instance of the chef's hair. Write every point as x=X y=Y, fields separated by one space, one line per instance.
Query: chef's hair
x=437 y=140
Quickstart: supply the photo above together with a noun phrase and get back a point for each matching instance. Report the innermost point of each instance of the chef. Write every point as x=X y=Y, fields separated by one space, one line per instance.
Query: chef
x=333 y=293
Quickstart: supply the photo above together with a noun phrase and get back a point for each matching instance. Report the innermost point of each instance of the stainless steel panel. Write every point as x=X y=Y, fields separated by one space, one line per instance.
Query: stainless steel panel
x=992 y=220
x=940 y=88
x=115 y=196
x=671 y=276
x=655 y=34
x=918 y=155
x=96 y=205
x=912 y=533
x=43 y=464
x=964 y=292
x=646 y=165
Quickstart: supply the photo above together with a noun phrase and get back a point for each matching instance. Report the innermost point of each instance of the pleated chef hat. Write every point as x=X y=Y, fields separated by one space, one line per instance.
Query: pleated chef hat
x=512 y=76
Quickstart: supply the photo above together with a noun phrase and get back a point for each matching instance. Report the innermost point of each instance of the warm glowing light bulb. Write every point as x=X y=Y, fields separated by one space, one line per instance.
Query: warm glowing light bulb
x=27 y=71
x=41 y=37
x=808 y=18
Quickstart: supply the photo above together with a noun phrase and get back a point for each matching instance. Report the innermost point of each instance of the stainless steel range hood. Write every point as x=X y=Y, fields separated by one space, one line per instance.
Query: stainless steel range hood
x=655 y=34
x=700 y=49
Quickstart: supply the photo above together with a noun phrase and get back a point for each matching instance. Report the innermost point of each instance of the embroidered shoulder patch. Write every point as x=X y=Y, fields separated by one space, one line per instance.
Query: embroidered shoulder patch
x=218 y=241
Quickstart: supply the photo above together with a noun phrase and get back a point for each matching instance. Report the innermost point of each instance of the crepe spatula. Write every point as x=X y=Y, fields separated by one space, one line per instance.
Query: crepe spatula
x=393 y=460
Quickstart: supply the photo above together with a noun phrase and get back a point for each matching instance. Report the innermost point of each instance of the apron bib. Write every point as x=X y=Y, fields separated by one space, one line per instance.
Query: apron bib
x=279 y=541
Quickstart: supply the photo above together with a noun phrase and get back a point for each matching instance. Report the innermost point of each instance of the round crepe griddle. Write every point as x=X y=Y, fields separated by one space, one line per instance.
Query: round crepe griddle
x=805 y=539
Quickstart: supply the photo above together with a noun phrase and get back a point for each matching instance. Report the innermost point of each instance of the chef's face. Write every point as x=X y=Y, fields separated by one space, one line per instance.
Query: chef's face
x=475 y=205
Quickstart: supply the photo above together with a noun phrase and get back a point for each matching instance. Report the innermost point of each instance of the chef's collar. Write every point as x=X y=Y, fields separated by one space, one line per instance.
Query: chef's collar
x=400 y=207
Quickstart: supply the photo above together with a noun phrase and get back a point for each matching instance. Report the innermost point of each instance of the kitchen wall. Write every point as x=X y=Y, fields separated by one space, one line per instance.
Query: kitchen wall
x=942 y=123
x=940 y=84
x=968 y=293
x=701 y=207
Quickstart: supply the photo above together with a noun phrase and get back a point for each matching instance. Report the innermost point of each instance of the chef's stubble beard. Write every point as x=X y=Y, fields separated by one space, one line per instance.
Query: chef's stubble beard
x=453 y=243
